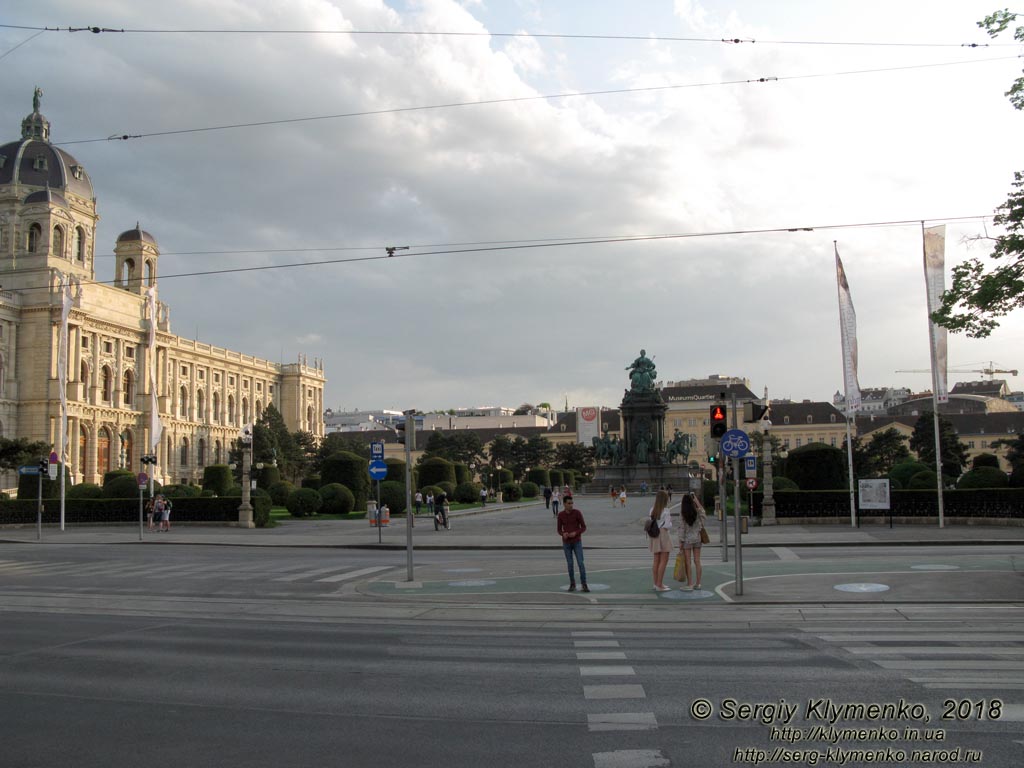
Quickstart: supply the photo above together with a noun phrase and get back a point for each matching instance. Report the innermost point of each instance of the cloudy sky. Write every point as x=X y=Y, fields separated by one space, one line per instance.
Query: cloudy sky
x=851 y=135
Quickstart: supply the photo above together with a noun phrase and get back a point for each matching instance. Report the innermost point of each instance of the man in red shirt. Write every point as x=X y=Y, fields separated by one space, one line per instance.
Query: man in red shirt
x=571 y=527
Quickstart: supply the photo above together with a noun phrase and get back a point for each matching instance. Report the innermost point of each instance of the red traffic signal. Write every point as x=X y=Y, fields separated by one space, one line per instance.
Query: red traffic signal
x=718 y=420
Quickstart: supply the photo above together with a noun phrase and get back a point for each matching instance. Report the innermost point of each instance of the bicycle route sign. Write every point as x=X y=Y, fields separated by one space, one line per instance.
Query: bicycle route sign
x=735 y=443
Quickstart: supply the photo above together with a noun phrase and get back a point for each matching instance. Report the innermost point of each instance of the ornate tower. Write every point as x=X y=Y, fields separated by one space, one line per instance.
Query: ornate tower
x=136 y=253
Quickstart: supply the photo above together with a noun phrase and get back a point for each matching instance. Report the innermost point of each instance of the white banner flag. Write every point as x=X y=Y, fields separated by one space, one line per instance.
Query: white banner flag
x=588 y=425
x=934 y=278
x=848 y=334
x=156 y=426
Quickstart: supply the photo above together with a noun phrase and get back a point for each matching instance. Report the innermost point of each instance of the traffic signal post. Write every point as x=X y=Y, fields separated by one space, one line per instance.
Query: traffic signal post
x=407 y=435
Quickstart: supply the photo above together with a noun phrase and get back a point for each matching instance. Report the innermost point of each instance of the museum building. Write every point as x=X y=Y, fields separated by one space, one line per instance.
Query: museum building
x=203 y=394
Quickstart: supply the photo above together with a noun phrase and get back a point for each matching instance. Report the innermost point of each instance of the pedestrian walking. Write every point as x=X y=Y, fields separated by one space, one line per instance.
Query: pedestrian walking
x=613 y=493
x=483 y=497
x=441 y=510
x=150 y=511
x=669 y=489
x=430 y=503
x=548 y=493
x=690 y=539
x=661 y=546
x=571 y=527
x=163 y=506
x=555 y=499
x=622 y=496
x=418 y=501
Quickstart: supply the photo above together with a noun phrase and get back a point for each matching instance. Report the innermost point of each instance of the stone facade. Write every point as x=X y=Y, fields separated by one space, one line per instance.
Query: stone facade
x=204 y=394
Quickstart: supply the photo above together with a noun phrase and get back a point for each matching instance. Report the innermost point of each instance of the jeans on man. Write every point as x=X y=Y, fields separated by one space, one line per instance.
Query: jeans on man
x=574 y=548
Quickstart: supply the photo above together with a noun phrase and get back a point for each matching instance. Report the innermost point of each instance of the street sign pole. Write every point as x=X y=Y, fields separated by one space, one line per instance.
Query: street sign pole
x=39 y=510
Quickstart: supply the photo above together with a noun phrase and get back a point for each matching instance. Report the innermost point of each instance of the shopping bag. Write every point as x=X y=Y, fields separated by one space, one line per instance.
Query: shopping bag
x=679 y=571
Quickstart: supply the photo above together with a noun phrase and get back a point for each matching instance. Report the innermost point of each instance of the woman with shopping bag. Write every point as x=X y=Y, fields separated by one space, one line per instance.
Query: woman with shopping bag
x=659 y=540
x=692 y=536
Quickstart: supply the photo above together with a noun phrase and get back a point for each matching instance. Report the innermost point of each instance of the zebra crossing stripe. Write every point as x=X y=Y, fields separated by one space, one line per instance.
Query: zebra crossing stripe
x=630 y=758
x=357 y=574
x=310 y=574
x=622 y=721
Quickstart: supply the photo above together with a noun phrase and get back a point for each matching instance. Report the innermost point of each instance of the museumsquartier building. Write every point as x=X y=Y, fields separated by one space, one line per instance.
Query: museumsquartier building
x=116 y=373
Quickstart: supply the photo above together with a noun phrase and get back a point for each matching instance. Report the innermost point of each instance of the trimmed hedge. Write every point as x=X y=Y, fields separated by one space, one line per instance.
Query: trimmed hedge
x=28 y=486
x=992 y=502
x=350 y=470
x=530 y=490
x=123 y=486
x=338 y=500
x=467 y=493
x=540 y=476
x=83 y=511
x=303 y=502
x=267 y=476
x=393 y=494
x=447 y=488
x=83 y=491
x=396 y=471
x=983 y=476
x=462 y=474
x=217 y=478
x=435 y=470
x=279 y=492
x=511 y=492
x=313 y=481
x=557 y=478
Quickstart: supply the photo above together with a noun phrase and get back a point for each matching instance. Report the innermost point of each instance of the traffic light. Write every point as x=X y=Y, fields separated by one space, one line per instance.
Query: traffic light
x=44 y=466
x=718 y=420
x=147 y=459
x=406 y=431
x=712 y=458
x=753 y=412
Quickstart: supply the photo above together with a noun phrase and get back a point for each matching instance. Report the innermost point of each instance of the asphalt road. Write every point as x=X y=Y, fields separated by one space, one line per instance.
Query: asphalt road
x=167 y=656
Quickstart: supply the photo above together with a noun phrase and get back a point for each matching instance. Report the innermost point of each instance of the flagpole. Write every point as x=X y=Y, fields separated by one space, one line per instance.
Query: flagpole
x=851 y=406
x=935 y=389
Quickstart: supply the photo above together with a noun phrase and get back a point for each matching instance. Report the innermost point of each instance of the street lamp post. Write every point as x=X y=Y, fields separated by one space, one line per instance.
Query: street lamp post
x=768 y=505
x=245 y=508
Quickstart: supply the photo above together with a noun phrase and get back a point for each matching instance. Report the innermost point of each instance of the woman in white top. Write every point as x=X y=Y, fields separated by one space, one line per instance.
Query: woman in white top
x=661 y=546
x=693 y=516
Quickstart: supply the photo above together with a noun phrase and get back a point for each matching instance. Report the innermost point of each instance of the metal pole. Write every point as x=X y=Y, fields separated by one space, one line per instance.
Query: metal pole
x=140 y=512
x=849 y=457
x=736 y=505
x=723 y=532
x=410 y=437
x=39 y=510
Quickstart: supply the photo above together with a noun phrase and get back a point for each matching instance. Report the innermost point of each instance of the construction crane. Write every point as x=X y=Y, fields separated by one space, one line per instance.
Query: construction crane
x=991 y=371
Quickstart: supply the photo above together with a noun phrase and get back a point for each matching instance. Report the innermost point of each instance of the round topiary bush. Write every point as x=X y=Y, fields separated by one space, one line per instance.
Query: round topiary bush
x=467 y=493
x=540 y=476
x=817 y=467
x=447 y=488
x=396 y=470
x=182 y=491
x=267 y=476
x=123 y=486
x=462 y=474
x=511 y=492
x=435 y=470
x=393 y=494
x=429 y=490
x=303 y=502
x=904 y=471
x=349 y=469
x=85 y=491
x=338 y=500
x=985 y=460
x=217 y=478
x=313 y=481
x=280 y=491
x=983 y=477
x=922 y=481
x=530 y=490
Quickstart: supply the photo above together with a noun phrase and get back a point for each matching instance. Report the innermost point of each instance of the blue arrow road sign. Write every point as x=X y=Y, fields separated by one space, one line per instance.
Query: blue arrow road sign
x=735 y=443
x=378 y=469
x=28 y=469
x=376 y=450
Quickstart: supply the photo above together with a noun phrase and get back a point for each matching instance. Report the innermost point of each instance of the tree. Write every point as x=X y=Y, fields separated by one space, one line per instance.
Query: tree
x=457 y=446
x=538 y=452
x=977 y=297
x=922 y=442
x=523 y=410
x=17 y=451
x=339 y=441
x=885 y=450
x=575 y=456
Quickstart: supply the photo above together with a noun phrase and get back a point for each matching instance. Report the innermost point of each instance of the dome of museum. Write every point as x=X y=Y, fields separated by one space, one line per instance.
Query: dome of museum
x=132 y=235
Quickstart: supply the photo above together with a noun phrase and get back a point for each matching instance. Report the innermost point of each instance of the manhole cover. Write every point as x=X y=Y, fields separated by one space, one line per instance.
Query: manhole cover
x=862 y=587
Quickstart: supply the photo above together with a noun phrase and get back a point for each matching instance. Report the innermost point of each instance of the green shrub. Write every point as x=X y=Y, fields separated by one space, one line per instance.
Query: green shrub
x=904 y=471
x=922 y=481
x=396 y=471
x=983 y=477
x=338 y=500
x=124 y=486
x=435 y=470
x=312 y=481
x=462 y=474
x=303 y=502
x=116 y=473
x=817 y=467
x=85 y=491
x=182 y=491
x=207 y=494
x=985 y=460
x=217 y=478
x=784 y=484
x=569 y=478
x=557 y=478
x=448 y=488
x=280 y=491
x=429 y=489
x=267 y=476
x=261 y=504
x=467 y=493
x=511 y=492
x=530 y=490
x=393 y=494
x=540 y=476
x=350 y=470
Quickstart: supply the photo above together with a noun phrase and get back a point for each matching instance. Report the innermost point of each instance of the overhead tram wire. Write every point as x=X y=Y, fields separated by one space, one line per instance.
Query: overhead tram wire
x=535 y=35
x=517 y=246
x=514 y=99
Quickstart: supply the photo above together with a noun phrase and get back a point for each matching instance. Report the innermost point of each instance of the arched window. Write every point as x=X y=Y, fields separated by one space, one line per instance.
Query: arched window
x=215 y=416
x=245 y=410
x=35 y=234
x=79 y=244
x=201 y=453
x=170 y=453
x=107 y=383
x=128 y=386
x=309 y=418
x=103 y=452
x=231 y=409
x=200 y=405
x=216 y=452
x=150 y=277
x=184 y=452
x=259 y=410
x=129 y=272
x=57 y=242
x=183 y=403
x=83 y=443
x=85 y=372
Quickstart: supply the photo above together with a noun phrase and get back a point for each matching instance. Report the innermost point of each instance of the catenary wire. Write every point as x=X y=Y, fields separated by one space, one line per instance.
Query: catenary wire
x=537 y=35
x=514 y=99
x=23 y=42
x=518 y=246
